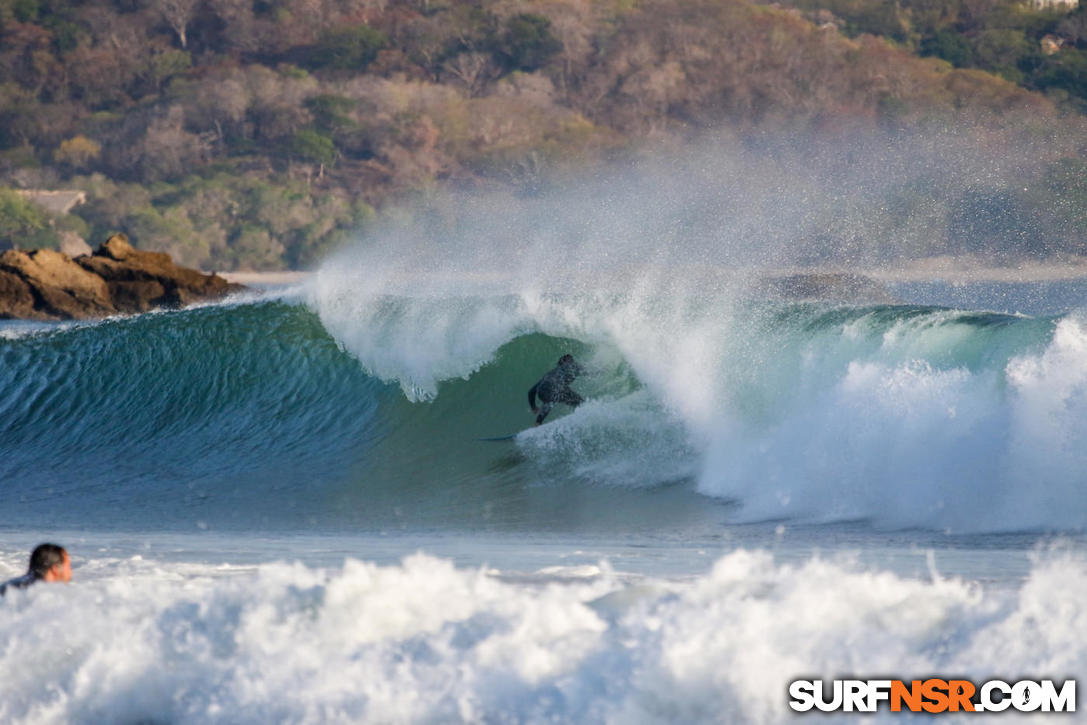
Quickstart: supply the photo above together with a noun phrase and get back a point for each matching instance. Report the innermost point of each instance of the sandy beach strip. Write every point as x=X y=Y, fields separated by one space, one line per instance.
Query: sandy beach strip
x=968 y=269
x=259 y=279
x=929 y=269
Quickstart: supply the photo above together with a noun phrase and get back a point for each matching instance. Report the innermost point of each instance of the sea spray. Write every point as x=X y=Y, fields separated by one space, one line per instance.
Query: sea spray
x=953 y=440
x=423 y=641
x=904 y=416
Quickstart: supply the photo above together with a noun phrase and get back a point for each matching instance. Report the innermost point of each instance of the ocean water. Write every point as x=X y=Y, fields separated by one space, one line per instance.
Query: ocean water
x=279 y=508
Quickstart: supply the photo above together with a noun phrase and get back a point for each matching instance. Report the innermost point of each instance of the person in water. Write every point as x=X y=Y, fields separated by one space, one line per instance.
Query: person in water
x=554 y=387
x=48 y=563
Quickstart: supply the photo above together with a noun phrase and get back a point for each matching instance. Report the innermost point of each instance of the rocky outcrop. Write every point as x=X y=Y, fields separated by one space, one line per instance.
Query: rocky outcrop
x=16 y=300
x=48 y=285
x=60 y=288
x=139 y=281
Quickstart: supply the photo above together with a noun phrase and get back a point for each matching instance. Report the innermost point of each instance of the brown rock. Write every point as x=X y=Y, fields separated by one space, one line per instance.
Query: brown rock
x=140 y=280
x=116 y=248
x=137 y=296
x=16 y=299
x=48 y=285
x=61 y=288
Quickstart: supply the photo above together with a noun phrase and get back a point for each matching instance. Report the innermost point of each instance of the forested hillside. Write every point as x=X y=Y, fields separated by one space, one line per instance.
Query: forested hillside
x=1041 y=45
x=258 y=133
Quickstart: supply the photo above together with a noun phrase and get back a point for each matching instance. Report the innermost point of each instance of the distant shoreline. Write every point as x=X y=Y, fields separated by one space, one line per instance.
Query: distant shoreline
x=264 y=278
x=964 y=270
x=954 y=270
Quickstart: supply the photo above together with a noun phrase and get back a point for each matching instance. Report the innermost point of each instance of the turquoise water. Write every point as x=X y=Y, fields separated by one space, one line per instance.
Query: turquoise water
x=254 y=415
x=278 y=510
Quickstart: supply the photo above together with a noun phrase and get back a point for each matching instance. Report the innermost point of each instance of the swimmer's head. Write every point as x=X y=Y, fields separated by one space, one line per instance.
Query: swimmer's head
x=51 y=563
x=566 y=359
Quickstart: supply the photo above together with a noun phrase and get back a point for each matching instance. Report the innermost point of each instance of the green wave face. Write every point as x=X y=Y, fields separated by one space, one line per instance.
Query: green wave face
x=178 y=416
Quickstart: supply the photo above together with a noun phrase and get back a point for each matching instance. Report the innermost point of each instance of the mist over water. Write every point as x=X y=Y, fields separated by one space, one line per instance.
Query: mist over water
x=857 y=198
x=908 y=416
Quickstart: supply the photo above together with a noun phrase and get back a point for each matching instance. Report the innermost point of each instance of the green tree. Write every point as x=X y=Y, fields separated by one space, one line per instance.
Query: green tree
x=350 y=48
x=526 y=43
x=25 y=11
x=953 y=47
x=310 y=145
x=163 y=66
x=1000 y=51
x=168 y=229
x=66 y=34
x=1065 y=71
x=254 y=248
x=23 y=224
x=331 y=112
x=19 y=114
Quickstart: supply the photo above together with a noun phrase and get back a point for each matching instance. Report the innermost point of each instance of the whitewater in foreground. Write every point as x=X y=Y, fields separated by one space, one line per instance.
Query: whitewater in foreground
x=289 y=519
x=279 y=510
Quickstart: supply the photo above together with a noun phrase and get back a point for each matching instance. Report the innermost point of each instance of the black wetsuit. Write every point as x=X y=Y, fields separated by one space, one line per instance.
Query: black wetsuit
x=19 y=582
x=554 y=387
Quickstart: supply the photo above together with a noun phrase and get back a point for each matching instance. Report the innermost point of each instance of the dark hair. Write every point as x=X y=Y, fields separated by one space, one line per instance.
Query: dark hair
x=45 y=557
x=566 y=359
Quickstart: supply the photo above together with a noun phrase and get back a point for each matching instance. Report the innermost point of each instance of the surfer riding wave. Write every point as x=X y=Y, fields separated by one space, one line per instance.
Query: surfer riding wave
x=554 y=387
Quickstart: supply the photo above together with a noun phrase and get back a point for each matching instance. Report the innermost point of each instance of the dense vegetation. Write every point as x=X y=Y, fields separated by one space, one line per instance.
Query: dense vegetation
x=1041 y=49
x=257 y=133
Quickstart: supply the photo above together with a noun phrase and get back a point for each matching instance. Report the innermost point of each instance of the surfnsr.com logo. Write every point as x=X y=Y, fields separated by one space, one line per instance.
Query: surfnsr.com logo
x=932 y=695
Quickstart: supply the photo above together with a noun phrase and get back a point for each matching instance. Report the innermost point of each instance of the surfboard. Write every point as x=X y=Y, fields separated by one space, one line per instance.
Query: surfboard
x=499 y=438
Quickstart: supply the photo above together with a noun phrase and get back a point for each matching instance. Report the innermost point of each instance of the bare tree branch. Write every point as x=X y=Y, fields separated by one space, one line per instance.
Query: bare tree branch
x=178 y=14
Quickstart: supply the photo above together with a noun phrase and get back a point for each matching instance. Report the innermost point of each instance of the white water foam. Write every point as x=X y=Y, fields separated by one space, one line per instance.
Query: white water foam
x=930 y=420
x=138 y=641
x=904 y=442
